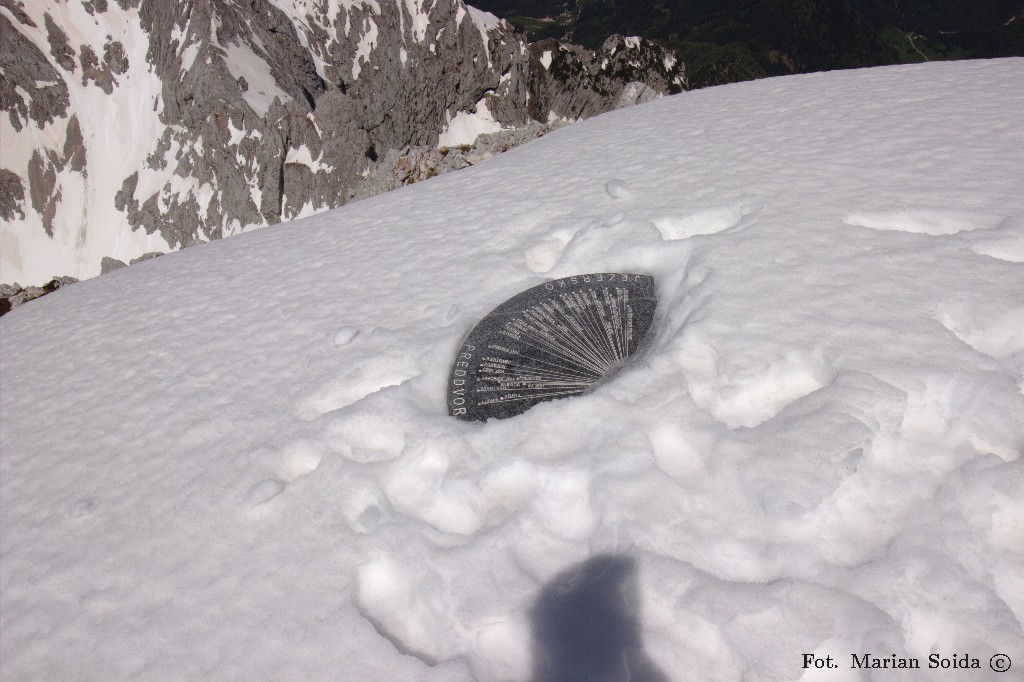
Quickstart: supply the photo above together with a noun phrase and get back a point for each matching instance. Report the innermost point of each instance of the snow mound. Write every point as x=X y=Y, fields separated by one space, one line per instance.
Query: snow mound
x=235 y=461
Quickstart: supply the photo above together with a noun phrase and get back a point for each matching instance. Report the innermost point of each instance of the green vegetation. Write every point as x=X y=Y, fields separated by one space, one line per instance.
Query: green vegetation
x=723 y=41
x=537 y=9
x=539 y=29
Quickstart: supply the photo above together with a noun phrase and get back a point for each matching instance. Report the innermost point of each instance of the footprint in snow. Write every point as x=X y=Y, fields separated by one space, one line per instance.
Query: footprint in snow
x=440 y=313
x=1005 y=243
x=750 y=401
x=264 y=492
x=546 y=252
x=750 y=397
x=368 y=378
x=82 y=509
x=617 y=189
x=705 y=221
x=345 y=336
x=300 y=458
x=983 y=412
x=1009 y=249
x=297 y=459
x=1000 y=337
x=364 y=436
x=204 y=432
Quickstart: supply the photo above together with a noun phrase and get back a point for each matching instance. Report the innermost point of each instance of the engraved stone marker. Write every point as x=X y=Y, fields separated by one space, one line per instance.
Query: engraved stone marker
x=554 y=340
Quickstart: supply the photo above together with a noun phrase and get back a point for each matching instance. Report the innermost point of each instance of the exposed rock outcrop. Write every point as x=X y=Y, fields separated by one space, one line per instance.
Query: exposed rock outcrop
x=14 y=295
x=405 y=166
x=30 y=88
x=574 y=82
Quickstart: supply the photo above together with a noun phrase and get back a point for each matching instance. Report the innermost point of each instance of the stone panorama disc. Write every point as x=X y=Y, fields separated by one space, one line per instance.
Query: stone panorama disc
x=554 y=340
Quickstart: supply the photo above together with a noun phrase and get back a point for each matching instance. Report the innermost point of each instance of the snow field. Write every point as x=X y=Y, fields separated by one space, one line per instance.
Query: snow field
x=234 y=462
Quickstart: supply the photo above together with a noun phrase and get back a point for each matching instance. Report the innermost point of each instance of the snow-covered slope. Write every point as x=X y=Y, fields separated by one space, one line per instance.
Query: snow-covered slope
x=235 y=462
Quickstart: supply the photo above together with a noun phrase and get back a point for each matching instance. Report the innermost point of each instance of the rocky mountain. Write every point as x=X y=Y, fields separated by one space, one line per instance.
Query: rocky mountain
x=140 y=126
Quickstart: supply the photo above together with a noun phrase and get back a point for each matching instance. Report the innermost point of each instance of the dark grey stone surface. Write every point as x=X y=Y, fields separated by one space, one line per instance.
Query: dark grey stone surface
x=555 y=340
x=109 y=264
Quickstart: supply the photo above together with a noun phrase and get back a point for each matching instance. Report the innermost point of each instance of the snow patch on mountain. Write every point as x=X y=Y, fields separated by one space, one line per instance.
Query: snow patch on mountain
x=485 y=22
x=365 y=47
x=260 y=89
x=467 y=126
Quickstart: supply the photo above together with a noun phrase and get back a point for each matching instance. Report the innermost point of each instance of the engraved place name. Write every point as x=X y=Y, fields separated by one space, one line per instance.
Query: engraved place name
x=555 y=340
x=600 y=277
x=457 y=392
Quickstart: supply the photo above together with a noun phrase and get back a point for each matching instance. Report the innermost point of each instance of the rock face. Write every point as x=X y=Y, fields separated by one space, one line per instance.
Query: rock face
x=140 y=126
x=13 y=295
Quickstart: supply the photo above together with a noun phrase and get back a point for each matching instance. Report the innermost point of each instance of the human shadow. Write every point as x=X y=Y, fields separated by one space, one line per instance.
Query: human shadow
x=585 y=625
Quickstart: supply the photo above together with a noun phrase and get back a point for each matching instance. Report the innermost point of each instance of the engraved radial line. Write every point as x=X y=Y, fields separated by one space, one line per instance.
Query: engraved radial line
x=605 y=326
x=552 y=348
x=579 y=305
x=586 y=338
x=511 y=383
x=627 y=319
x=576 y=341
x=626 y=308
x=532 y=375
x=565 y=353
x=596 y=328
x=574 y=370
x=583 y=340
x=615 y=310
x=547 y=323
x=532 y=397
x=610 y=318
x=620 y=308
x=615 y=306
x=539 y=372
x=606 y=318
x=538 y=377
x=568 y=354
x=531 y=386
x=533 y=392
x=538 y=389
x=579 y=323
x=520 y=386
x=535 y=376
x=627 y=311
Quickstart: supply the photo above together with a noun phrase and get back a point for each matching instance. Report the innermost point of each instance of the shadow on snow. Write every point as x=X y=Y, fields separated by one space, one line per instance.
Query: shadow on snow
x=586 y=627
